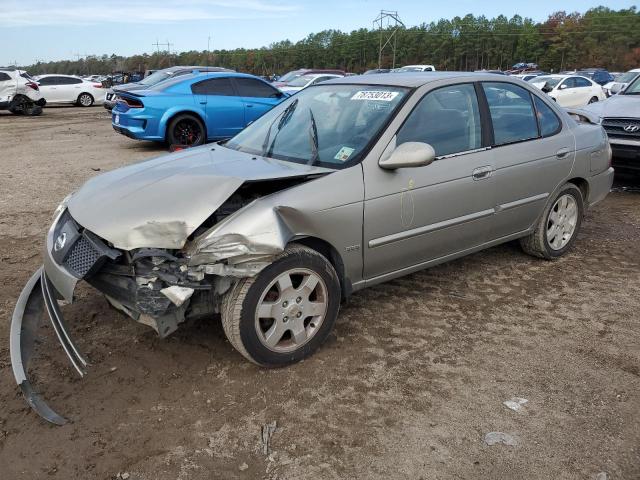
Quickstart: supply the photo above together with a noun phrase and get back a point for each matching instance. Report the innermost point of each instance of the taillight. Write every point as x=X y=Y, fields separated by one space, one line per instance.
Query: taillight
x=97 y=85
x=131 y=102
x=32 y=85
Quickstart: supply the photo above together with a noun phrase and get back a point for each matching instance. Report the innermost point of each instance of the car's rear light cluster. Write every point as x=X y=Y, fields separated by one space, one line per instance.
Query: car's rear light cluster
x=131 y=102
x=32 y=85
x=97 y=85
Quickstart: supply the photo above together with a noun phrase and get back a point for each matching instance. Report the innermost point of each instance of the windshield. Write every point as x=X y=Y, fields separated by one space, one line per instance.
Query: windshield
x=287 y=77
x=633 y=88
x=627 y=77
x=325 y=125
x=156 y=77
x=301 y=81
x=552 y=81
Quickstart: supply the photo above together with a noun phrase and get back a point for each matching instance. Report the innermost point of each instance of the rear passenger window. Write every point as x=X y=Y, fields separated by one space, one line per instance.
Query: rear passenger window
x=448 y=119
x=512 y=114
x=582 y=82
x=214 y=86
x=250 y=87
x=547 y=119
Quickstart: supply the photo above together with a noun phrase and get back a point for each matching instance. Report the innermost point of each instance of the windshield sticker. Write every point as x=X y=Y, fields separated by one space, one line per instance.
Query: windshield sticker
x=379 y=95
x=344 y=153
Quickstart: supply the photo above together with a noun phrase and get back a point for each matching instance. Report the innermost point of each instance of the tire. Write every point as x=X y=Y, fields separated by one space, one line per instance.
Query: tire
x=186 y=129
x=84 y=100
x=33 y=110
x=549 y=239
x=248 y=332
x=593 y=100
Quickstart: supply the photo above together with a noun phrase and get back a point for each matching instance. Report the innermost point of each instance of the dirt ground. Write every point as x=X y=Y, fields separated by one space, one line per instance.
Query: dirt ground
x=413 y=377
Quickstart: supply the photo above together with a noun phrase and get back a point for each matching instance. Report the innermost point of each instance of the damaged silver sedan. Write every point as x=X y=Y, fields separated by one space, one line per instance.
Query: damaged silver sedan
x=345 y=185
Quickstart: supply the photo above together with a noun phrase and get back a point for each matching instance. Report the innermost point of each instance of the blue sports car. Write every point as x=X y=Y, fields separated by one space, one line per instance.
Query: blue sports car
x=194 y=108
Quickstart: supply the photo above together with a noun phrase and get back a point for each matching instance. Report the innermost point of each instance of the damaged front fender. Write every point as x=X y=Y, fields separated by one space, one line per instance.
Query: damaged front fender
x=37 y=296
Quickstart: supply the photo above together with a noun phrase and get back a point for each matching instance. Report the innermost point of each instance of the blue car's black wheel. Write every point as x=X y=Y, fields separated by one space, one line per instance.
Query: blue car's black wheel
x=186 y=130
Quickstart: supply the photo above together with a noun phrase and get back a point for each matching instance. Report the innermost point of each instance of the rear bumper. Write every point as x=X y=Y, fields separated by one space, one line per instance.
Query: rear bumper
x=600 y=186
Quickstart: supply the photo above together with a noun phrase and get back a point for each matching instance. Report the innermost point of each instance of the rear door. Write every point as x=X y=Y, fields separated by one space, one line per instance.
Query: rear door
x=224 y=108
x=69 y=89
x=532 y=153
x=259 y=97
x=586 y=90
x=8 y=87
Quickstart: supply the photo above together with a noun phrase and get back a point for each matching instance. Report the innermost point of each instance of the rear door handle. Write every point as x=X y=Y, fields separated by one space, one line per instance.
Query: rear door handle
x=562 y=153
x=481 y=173
x=249 y=105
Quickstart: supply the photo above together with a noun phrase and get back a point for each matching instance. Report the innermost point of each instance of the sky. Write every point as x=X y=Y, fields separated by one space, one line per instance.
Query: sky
x=32 y=30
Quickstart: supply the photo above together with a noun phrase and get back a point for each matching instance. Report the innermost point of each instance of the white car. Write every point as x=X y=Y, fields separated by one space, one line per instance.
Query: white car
x=70 y=89
x=19 y=93
x=570 y=90
x=305 y=81
x=621 y=81
x=416 y=68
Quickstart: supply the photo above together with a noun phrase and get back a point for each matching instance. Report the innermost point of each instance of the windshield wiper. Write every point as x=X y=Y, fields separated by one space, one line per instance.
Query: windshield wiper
x=313 y=137
x=283 y=118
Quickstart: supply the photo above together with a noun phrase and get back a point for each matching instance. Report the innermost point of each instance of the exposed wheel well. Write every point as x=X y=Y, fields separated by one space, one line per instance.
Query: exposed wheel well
x=331 y=254
x=583 y=185
x=187 y=112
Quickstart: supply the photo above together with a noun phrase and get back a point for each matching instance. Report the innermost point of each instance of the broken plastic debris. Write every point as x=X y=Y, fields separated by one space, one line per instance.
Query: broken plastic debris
x=178 y=295
x=515 y=404
x=493 y=438
x=267 y=430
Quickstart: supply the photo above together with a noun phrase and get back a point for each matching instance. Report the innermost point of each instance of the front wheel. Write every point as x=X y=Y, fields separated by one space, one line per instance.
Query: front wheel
x=558 y=226
x=85 y=100
x=283 y=314
x=186 y=130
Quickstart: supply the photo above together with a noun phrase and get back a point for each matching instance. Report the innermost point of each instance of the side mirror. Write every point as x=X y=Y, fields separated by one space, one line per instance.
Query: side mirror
x=563 y=86
x=615 y=88
x=408 y=155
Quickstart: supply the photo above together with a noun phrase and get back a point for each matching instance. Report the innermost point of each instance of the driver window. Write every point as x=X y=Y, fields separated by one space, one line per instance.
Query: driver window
x=448 y=119
x=569 y=83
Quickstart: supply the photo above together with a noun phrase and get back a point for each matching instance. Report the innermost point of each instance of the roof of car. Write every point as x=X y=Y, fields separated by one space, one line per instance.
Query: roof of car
x=410 y=79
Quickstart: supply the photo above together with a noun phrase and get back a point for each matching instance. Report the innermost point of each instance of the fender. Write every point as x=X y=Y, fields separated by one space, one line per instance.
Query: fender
x=178 y=109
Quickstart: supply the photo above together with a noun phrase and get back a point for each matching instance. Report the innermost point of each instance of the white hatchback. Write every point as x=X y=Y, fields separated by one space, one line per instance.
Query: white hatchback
x=70 y=89
x=570 y=90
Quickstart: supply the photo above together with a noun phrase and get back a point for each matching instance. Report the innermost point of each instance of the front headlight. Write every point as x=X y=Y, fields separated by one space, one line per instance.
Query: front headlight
x=63 y=205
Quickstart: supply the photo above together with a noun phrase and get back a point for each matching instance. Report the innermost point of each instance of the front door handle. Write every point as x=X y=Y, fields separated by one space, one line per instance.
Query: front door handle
x=481 y=173
x=562 y=153
x=249 y=105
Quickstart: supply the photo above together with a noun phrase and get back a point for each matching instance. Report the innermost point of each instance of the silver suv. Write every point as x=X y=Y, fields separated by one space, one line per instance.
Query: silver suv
x=347 y=184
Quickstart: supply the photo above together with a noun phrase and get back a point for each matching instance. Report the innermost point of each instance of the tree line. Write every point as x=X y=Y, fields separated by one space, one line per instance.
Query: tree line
x=600 y=37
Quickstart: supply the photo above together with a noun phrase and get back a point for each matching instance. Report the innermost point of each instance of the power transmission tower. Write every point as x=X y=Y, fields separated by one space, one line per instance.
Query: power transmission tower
x=388 y=23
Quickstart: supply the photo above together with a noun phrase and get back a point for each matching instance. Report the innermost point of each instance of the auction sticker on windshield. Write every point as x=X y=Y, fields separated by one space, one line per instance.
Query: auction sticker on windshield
x=344 y=153
x=380 y=95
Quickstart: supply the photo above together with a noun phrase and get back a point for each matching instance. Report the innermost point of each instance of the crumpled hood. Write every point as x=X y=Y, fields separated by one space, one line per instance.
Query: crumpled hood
x=160 y=202
x=616 y=106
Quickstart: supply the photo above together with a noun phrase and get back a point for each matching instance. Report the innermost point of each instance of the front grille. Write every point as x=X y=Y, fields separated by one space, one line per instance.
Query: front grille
x=615 y=127
x=82 y=257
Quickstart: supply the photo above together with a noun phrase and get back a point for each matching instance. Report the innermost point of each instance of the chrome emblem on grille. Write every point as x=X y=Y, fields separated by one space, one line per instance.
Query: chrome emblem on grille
x=60 y=242
x=631 y=128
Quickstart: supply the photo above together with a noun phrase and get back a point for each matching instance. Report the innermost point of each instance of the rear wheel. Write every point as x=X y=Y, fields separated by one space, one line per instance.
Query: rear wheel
x=84 y=100
x=558 y=227
x=283 y=314
x=186 y=130
x=593 y=99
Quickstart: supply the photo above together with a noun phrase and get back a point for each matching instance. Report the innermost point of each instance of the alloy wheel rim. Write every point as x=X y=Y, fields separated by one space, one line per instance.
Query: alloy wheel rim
x=291 y=310
x=85 y=100
x=187 y=132
x=562 y=221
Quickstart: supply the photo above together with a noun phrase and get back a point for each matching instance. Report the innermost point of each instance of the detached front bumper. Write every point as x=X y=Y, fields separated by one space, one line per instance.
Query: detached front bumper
x=37 y=296
x=66 y=260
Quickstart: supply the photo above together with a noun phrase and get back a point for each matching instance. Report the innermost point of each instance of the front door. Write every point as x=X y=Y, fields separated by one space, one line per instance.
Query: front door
x=415 y=215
